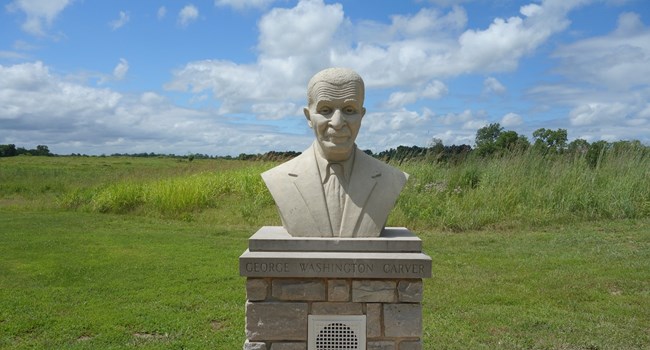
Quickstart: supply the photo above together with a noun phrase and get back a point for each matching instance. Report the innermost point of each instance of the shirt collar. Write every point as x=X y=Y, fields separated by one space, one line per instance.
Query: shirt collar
x=323 y=163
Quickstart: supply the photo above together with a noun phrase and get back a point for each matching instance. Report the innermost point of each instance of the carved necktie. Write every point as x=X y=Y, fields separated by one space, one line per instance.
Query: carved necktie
x=335 y=196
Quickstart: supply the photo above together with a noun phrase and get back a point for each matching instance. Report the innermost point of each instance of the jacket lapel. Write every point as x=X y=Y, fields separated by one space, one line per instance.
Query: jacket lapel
x=307 y=182
x=362 y=182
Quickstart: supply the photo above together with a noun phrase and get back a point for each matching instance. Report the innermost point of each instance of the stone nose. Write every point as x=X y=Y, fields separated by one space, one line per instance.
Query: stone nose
x=337 y=121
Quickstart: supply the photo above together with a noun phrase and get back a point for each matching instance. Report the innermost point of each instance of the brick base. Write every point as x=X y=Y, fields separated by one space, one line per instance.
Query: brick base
x=277 y=310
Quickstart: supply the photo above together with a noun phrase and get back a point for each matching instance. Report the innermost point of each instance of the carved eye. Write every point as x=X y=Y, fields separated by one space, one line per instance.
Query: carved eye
x=324 y=110
x=349 y=110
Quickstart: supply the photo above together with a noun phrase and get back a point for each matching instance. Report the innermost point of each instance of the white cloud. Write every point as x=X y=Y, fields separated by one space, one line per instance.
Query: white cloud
x=474 y=124
x=121 y=21
x=608 y=82
x=188 y=14
x=411 y=51
x=76 y=118
x=161 y=13
x=39 y=13
x=244 y=4
x=594 y=113
x=434 y=90
x=400 y=98
x=455 y=118
x=306 y=29
x=410 y=55
x=492 y=86
x=119 y=72
x=618 y=60
x=274 y=111
x=511 y=119
x=289 y=55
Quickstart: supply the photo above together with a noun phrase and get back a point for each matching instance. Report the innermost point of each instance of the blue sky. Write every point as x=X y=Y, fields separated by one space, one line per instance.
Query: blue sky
x=225 y=77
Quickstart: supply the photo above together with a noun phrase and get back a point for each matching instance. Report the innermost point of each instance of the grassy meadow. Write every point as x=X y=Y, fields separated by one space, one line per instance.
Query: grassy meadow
x=529 y=252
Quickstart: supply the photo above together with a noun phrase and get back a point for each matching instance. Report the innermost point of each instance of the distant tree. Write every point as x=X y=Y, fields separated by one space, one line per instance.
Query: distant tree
x=8 y=150
x=486 y=138
x=42 y=150
x=550 y=141
x=578 y=146
x=436 y=149
x=596 y=152
x=510 y=141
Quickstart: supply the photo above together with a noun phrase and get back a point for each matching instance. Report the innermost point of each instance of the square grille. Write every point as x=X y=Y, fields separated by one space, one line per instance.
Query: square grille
x=336 y=332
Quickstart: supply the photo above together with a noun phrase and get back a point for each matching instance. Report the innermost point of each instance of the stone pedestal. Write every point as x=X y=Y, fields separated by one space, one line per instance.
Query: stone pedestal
x=292 y=278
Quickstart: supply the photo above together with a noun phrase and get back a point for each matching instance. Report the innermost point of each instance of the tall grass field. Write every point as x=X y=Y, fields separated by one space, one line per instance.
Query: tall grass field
x=529 y=251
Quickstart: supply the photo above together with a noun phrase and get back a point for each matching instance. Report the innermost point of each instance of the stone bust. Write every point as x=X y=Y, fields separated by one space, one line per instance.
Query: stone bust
x=333 y=189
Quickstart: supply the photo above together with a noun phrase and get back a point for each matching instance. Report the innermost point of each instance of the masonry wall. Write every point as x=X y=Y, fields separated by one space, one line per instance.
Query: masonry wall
x=277 y=310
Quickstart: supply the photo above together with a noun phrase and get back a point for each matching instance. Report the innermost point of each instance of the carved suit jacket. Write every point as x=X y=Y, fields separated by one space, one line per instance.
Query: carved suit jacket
x=298 y=192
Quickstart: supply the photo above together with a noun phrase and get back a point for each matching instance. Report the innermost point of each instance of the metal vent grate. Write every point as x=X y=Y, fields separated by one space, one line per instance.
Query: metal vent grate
x=327 y=332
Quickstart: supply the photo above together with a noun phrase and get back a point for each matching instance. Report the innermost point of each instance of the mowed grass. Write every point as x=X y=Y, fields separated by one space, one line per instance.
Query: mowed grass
x=116 y=253
x=105 y=281
x=93 y=281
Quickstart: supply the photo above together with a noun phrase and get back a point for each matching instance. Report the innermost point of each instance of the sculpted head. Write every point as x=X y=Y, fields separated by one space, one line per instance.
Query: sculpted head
x=335 y=109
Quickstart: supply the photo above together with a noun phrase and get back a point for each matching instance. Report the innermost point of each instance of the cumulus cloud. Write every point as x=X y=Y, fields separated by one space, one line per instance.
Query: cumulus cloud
x=618 y=60
x=493 y=86
x=411 y=50
x=121 y=21
x=73 y=117
x=434 y=90
x=244 y=4
x=511 y=119
x=119 y=72
x=39 y=13
x=289 y=54
x=188 y=14
x=608 y=82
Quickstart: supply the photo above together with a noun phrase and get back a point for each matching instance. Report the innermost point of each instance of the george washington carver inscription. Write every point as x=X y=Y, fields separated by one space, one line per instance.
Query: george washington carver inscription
x=342 y=265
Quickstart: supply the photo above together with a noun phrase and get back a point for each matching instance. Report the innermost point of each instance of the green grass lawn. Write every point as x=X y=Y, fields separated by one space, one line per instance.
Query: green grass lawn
x=93 y=281
x=102 y=281
x=528 y=252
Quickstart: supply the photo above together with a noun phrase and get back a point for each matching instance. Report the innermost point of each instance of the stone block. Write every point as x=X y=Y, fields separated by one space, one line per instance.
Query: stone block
x=276 y=321
x=410 y=291
x=339 y=265
x=336 y=308
x=373 y=320
x=373 y=291
x=289 y=346
x=277 y=239
x=338 y=290
x=299 y=289
x=254 y=346
x=409 y=345
x=403 y=320
x=256 y=289
x=381 y=345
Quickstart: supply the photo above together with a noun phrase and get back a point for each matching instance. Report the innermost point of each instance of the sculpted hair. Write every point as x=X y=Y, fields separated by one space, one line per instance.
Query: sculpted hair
x=335 y=82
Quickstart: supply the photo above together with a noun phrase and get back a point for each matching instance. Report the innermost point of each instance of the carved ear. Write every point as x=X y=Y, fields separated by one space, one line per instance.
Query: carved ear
x=307 y=115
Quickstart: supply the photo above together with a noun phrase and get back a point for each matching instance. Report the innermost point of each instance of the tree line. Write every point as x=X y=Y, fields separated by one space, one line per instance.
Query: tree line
x=11 y=150
x=491 y=141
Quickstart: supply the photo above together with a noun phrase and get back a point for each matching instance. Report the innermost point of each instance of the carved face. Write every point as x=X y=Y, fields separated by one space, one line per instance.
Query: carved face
x=335 y=116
